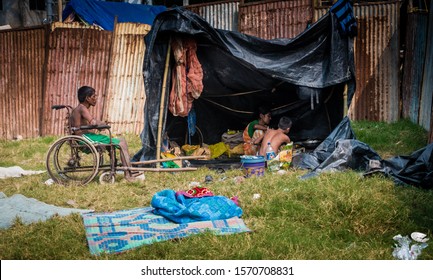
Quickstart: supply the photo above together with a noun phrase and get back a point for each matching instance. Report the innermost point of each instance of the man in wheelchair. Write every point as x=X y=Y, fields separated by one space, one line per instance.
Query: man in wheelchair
x=81 y=116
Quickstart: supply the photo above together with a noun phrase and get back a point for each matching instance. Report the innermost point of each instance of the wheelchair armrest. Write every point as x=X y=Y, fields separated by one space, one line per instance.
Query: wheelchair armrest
x=99 y=127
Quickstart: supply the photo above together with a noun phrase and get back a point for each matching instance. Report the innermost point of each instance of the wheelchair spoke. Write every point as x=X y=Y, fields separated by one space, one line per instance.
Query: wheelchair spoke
x=72 y=159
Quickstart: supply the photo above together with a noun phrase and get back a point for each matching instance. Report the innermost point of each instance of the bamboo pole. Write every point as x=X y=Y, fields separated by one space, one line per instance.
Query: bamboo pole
x=157 y=169
x=167 y=159
x=161 y=106
x=60 y=9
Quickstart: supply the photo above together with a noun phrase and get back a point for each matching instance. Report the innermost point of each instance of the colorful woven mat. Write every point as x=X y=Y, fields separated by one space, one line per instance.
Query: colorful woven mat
x=123 y=230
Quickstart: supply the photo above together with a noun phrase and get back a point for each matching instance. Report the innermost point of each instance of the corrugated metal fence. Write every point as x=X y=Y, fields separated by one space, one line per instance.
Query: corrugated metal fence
x=76 y=57
x=108 y=63
x=41 y=67
x=427 y=87
x=221 y=15
x=22 y=56
x=376 y=61
x=417 y=90
x=124 y=103
x=275 y=19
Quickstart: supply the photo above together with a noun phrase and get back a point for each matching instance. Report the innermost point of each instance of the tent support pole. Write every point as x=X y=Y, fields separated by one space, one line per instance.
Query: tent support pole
x=161 y=106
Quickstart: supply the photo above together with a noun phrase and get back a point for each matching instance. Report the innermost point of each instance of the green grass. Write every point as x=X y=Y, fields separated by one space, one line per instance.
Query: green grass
x=332 y=216
x=399 y=138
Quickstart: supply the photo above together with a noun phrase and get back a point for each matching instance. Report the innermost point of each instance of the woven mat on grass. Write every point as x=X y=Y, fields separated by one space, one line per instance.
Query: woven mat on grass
x=123 y=230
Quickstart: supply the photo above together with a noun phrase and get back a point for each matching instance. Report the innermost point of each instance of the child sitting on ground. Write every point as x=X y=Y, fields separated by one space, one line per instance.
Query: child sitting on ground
x=277 y=137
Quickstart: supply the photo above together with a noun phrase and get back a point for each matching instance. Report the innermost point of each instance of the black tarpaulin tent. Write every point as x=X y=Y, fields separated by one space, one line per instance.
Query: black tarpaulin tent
x=303 y=78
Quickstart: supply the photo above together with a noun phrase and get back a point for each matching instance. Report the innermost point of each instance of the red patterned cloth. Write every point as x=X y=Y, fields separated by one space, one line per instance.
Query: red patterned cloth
x=196 y=192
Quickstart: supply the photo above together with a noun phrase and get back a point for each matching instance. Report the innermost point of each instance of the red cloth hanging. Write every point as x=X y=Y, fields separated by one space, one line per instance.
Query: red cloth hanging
x=187 y=76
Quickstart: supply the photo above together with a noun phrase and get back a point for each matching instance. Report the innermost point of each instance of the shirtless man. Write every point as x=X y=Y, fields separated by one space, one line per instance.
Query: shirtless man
x=277 y=136
x=81 y=116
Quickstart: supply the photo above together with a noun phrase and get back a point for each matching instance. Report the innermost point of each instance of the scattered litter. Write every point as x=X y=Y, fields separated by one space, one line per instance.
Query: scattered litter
x=403 y=250
x=49 y=182
x=16 y=171
x=281 y=172
x=208 y=179
x=72 y=203
x=419 y=237
x=238 y=179
x=220 y=170
x=194 y=184
x=256 y=196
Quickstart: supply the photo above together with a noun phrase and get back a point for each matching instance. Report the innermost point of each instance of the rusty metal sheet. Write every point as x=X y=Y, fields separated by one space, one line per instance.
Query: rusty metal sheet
x=275 y=19
x=376 y=60
x=22 y=56
x=77 y=57
x=416 y=35
x=426 y=108
x=220 y=15
x=124 y=103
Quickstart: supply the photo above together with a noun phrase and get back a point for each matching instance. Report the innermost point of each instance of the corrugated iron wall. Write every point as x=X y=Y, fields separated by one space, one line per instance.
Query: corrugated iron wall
x=376 y=61
x=124 y=106
x=416 y=35
x=41 y=67
x=22 y=56
x=426 y=119
x=275 y=19
x=221 y=15
x=76 y=57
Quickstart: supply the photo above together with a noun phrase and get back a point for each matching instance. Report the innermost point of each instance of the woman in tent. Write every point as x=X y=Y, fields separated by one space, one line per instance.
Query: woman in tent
x=255 y=130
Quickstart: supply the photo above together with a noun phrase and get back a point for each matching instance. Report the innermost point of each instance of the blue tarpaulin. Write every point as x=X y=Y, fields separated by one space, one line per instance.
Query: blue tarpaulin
x=104 y=13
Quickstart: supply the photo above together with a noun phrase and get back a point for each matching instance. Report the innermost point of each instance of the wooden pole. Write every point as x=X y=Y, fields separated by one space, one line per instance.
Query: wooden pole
x=161 y=106
x=157 y=169
x=166 y=159
x=60 y=9
x=106 y=94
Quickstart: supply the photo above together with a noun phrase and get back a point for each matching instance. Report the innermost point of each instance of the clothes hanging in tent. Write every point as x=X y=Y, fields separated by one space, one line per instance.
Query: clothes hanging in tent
x=187 y=77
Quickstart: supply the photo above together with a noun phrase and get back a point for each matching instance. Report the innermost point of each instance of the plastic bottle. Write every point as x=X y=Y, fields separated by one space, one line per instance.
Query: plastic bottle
x=270 y=154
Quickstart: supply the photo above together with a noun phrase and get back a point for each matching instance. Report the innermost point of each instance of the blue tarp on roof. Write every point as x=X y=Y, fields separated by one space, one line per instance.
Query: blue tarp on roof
x=104 y=13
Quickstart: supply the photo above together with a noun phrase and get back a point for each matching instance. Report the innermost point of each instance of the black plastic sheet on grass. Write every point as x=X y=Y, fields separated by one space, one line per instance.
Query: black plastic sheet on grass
x=341 y=151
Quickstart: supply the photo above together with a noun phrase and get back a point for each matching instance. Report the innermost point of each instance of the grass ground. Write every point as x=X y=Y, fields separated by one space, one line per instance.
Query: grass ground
x=336 y=216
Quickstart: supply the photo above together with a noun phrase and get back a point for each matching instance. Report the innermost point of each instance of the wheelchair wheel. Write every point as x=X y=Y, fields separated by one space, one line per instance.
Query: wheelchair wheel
x=107 y=178
x=72 y=159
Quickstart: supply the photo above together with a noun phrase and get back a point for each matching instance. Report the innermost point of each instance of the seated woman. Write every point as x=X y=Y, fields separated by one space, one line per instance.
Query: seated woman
x=255 y=130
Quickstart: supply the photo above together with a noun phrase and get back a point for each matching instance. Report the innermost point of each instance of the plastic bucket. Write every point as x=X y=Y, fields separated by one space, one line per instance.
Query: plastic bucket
x=253 y=165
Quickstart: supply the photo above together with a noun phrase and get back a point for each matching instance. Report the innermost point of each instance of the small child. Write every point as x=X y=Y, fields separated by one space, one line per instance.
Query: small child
x=277 y=137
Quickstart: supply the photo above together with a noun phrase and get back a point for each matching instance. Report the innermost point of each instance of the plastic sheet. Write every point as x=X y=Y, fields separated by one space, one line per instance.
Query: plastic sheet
x=403 y=250
x=243 y=72
x=341 y=151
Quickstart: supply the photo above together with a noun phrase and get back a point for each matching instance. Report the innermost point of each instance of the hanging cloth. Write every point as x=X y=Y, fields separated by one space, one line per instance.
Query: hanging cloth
x=191 y=124
x=343 y=11
x=187 y=76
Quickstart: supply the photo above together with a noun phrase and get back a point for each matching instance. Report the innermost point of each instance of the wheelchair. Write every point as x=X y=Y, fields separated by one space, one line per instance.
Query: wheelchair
x=74 y=159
